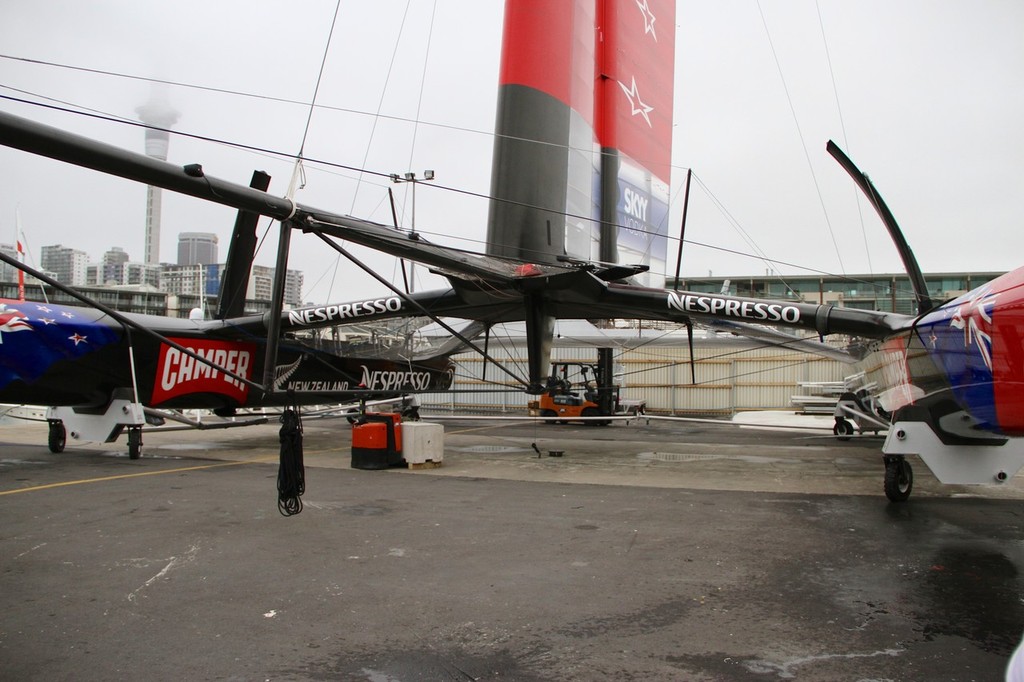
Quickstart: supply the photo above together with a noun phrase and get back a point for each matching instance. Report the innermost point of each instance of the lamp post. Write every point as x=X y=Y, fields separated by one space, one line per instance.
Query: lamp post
x=409 y=176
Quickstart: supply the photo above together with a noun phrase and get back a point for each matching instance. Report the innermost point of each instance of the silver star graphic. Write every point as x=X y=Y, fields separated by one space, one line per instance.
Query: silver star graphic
x=649 y=18
x=635 y=102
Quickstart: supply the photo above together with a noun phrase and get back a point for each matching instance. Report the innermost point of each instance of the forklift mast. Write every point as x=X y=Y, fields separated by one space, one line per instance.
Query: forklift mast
x=607 y=396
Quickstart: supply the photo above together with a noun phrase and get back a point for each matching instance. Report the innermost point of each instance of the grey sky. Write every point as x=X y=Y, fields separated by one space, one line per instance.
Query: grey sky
x=929 y=92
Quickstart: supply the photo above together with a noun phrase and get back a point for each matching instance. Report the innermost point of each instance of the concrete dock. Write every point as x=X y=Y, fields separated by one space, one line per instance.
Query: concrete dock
x=661 y=551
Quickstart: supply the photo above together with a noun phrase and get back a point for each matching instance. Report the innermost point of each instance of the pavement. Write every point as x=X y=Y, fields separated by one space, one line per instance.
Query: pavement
x=660 y=551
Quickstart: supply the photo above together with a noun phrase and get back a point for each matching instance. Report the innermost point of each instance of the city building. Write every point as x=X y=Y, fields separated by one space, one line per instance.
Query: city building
x=166 y=289
x=67 y=265
x=262 y=285
x=117 y=270
x=141 y=274
x=159 y=116
x=8 y=273
x=197 y=248
x=142 y=300
x=192 y=280
x=113 y=265
x=293 y=281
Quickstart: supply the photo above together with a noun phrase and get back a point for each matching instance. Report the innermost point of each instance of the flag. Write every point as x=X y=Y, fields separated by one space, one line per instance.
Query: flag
x=35 y=336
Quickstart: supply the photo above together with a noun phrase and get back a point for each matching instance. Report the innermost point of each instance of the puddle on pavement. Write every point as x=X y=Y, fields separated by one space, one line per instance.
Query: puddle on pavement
x=490 y=449
x=701 y=457
x=973 y=593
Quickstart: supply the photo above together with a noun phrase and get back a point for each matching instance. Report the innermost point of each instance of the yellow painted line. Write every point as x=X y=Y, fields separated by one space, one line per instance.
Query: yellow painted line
x=121 y=476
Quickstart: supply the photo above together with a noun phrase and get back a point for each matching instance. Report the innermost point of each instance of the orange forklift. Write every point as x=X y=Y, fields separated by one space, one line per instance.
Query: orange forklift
x=578 y=390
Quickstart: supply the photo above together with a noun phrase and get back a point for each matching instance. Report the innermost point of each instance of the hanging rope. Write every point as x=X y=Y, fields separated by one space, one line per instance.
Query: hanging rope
x=291 y=474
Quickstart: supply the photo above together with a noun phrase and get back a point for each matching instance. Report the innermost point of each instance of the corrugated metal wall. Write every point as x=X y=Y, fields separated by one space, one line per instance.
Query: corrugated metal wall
x=732 y=375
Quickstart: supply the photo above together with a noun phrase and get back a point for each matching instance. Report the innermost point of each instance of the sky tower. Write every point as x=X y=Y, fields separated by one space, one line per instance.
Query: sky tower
x=156 y=112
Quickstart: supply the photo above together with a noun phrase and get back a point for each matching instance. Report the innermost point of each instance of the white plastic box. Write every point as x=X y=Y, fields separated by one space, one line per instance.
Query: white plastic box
x=422 y=443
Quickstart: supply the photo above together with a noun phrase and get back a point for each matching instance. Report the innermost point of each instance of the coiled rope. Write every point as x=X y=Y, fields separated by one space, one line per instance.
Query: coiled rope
x=291 y=474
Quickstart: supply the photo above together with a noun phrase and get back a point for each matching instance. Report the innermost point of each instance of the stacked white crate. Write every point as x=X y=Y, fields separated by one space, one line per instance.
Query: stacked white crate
x=422 y=444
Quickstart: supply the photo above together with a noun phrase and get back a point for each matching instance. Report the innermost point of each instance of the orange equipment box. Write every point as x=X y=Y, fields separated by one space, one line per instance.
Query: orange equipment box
x=377 y=441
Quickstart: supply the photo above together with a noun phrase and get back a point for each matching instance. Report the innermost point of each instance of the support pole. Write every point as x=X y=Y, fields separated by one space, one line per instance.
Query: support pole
x=682 y=225
x=276 y=306
x=235 y=279
x=394 y=220
x=540 y=330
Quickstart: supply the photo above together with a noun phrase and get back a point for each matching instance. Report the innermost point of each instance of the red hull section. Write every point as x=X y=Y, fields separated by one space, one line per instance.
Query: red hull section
x=1008 y=350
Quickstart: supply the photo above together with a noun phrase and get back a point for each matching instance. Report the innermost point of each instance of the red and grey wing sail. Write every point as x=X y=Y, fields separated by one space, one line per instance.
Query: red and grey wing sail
x=634 y=126
x=545 y=165
x=582 y=152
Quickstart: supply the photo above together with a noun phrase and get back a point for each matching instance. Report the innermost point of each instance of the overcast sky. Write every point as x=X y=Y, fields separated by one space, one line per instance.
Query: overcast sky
x=925 y=96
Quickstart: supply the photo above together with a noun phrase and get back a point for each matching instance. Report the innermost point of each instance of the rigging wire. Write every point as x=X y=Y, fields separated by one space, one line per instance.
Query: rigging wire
x=299 y=169
x=378 y=115
x=624 y=351
x=800 y=134
x=285 y=155
x=312 y=104
x=380 y=105
x=416 y=123
x=758 y=345
x=301 y=103
x=423 y=82
x=518 y=363
x=744 y=235
x=842 y=127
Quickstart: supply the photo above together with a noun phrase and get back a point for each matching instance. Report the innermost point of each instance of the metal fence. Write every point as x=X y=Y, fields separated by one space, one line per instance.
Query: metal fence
x=732 y=375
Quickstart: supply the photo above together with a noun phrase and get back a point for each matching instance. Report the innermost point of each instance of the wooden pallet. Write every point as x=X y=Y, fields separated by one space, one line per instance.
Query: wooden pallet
x=429 y=464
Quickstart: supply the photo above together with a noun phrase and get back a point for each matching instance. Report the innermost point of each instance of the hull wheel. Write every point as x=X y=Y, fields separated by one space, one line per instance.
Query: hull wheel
x=899 y=478
x=134 y=442
x=57 y=437
x=842 y=429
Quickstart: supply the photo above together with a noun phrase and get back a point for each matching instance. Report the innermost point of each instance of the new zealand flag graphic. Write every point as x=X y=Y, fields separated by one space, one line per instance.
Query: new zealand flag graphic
x=959 y=338
x=34 y=336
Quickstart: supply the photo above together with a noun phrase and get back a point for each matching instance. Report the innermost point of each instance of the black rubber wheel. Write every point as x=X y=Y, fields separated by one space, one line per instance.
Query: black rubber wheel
x=134 y=443
x=58 y=436
x=842 y=429
x=899 y=479
x=548 y=416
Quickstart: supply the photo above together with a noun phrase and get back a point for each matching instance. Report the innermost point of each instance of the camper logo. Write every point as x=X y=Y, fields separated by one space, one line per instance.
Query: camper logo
x=178 y=373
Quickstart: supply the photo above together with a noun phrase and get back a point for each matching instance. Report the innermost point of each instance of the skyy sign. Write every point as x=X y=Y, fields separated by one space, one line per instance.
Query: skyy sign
x=642 y=214
x=642 y=217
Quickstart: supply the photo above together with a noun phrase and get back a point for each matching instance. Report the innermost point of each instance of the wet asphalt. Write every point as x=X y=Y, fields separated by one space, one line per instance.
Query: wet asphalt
x=645 y=552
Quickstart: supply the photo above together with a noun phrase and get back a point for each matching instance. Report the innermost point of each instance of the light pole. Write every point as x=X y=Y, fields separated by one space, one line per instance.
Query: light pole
x=428 y=175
